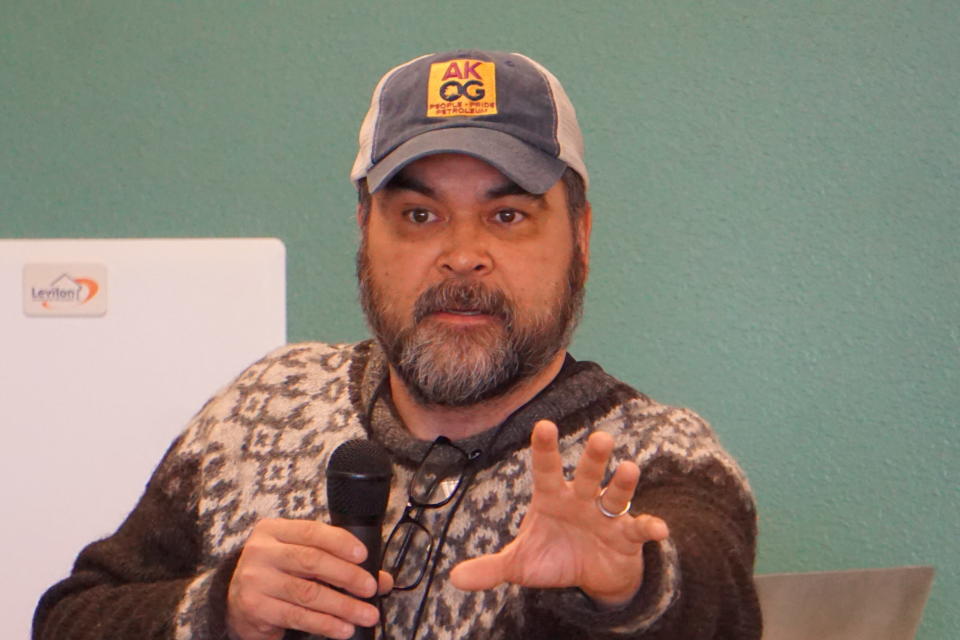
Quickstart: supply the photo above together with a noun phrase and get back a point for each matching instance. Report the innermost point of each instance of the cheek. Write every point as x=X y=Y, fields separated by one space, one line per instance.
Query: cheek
x=392 y=257
x=397 y=279
x=384 y=261
x=541 y=279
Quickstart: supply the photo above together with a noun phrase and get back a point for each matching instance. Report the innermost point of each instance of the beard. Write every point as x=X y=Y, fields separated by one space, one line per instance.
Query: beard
x=458 y=366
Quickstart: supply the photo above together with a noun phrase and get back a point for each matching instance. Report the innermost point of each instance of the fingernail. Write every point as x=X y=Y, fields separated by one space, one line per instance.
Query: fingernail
x=359 y=553
x=370 y=617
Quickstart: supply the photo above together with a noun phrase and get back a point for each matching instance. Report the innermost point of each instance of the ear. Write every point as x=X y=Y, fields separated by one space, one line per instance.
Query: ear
x=359 y=216
x=584 y=226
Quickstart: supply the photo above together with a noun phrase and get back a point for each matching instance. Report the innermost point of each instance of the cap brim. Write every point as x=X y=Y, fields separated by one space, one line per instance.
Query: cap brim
x=532 y=169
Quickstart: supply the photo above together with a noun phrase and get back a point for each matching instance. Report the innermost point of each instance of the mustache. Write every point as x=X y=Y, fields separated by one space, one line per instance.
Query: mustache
x=453 y=295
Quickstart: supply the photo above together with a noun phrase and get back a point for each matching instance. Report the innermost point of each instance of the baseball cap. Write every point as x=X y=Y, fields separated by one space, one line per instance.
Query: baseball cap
x=502 y=108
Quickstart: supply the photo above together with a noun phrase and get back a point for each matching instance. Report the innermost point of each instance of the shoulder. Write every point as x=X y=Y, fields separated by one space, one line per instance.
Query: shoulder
x=287 y=387
x=622 y=410
x=314 y=358
x=664 y=440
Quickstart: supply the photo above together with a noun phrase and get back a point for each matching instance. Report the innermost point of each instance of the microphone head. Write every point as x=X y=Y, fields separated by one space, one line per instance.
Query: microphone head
x=358 y=481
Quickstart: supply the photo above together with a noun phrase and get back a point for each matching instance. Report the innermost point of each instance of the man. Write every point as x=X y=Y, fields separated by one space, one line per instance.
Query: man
x=474 y=253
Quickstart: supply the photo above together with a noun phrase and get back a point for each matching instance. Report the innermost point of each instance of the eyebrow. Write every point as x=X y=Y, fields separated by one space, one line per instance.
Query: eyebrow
x=405 y=182
x=511 y=188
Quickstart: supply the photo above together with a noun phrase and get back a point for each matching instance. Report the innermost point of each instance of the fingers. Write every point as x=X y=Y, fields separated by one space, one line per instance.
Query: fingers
x=591 y=468
x=288 y=576
x=483 y=572
x=546 y=462
x=311 y=550
x=619 y=491
x=290 y=617
x=310 y=603
x=592 y=465
x=647 y=528
x=385 y=583
x=335 y=540
x=548 y=478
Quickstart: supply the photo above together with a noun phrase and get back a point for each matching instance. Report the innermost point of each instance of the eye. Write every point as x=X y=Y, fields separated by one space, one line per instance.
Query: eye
x=420 y=216
x=508 y=216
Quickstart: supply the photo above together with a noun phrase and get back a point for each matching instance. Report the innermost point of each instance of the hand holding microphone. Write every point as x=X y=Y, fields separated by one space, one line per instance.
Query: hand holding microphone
x=311 y=576
x=358 y=488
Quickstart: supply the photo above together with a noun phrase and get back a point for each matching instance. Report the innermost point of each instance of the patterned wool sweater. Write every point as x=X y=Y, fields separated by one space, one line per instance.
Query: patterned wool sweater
x=260 y=447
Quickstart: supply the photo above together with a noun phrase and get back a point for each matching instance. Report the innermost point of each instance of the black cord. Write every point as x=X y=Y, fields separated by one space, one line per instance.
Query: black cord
x=438 y=553
x=478 y=460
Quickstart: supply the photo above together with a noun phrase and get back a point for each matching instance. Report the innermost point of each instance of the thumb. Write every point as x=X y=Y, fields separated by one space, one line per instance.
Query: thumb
x=476 y=574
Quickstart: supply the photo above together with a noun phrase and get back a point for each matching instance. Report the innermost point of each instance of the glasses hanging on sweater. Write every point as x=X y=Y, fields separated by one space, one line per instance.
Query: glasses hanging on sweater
x=410 y=546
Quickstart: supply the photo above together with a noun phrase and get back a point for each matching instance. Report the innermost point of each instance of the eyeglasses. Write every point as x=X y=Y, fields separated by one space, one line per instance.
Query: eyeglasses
x=410 y=546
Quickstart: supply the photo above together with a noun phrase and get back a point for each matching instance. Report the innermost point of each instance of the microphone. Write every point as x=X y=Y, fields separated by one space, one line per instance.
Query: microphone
x=358 y=487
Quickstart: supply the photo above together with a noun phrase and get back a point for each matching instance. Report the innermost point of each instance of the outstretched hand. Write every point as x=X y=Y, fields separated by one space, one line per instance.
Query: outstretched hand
x=564 y=539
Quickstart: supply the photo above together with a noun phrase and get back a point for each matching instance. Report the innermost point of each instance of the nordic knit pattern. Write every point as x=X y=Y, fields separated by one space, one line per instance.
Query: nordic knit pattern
x=260 y=447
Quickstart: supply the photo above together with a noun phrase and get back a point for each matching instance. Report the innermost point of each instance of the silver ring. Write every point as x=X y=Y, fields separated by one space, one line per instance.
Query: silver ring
x=611 y=514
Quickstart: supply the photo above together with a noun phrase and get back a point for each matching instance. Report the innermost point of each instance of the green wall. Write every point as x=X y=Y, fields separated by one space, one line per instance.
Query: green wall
x=775 y=188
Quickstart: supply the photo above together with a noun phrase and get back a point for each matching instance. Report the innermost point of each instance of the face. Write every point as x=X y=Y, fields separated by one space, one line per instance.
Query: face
x=471 y=284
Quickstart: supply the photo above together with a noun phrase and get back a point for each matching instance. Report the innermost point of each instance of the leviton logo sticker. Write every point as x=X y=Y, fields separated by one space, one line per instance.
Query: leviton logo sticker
x=64 y=289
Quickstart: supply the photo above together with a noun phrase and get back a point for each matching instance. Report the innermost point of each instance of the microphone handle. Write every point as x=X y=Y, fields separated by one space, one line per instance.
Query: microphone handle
x=371 y=537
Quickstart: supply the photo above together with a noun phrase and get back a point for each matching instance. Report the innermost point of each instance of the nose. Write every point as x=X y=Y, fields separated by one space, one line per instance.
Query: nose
x=466 y=252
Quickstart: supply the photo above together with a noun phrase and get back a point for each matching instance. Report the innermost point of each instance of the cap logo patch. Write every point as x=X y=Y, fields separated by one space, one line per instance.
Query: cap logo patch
x=462 y=88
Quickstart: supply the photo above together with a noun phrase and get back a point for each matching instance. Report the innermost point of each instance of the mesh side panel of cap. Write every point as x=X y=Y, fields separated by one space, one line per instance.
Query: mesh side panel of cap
x=367 y=128
x=569 y=136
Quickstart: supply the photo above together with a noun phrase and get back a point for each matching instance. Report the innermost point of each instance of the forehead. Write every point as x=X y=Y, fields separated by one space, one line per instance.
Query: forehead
x=461 y=176
x=444 y=166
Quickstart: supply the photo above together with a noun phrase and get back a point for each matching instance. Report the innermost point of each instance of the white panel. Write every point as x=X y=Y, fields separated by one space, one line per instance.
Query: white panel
x=857 y=604
x=88 y=405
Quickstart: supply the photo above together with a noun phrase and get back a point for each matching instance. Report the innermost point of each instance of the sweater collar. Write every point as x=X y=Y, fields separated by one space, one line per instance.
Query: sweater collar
x=579 y=393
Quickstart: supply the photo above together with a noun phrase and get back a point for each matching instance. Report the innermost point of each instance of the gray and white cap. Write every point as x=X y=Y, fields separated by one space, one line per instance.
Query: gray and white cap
x=502 y=108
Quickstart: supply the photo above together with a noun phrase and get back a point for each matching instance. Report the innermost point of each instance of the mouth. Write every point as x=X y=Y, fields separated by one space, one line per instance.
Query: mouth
x=462 y=304
x=462 y=317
